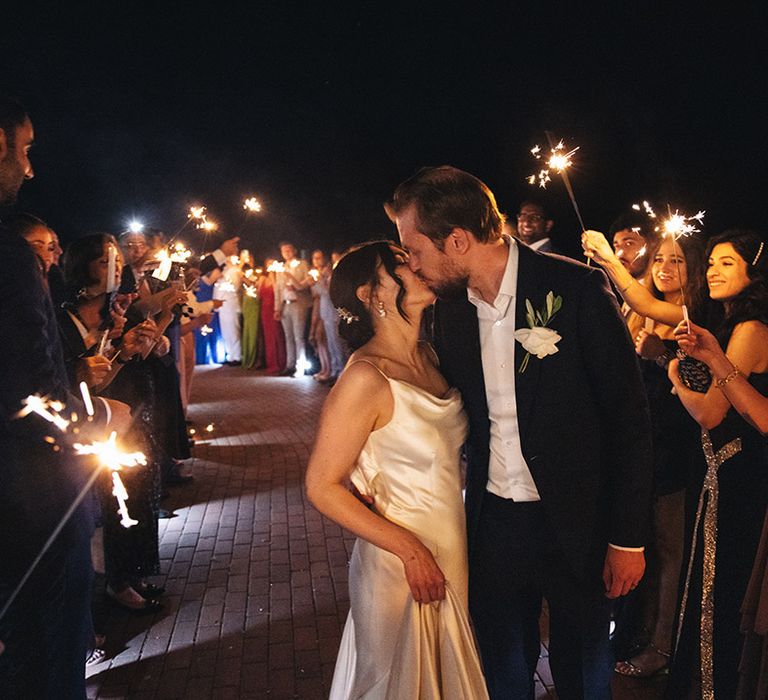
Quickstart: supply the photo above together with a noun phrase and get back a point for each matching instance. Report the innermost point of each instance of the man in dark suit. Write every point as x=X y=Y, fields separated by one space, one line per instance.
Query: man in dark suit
x=559 y=460
x=534 y=226
x=45 y=632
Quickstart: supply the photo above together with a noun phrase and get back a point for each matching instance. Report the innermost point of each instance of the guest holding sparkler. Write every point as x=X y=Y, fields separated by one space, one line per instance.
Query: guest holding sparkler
x=46 y=629
x=733 y=500
x=274 y=340
x=292 y=303
x=251 y=339
x=675 y=435
x=130 y=554
x=753 y=407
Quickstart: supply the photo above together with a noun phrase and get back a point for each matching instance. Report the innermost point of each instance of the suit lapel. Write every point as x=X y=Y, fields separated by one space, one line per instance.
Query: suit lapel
x=527 y=381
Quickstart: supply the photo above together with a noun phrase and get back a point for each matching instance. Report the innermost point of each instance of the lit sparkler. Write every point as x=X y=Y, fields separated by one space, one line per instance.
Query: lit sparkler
x=314 y=274
x=113 y=459
x=206 y=330
x=252 y=292
x=276 y=266
x=559 y=161
x=45 y=408
x=226 y=286
x=677 y=225
x=252 y=204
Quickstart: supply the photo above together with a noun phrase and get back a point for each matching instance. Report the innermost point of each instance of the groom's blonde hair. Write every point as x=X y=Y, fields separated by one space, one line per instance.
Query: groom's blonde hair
x=447 y=198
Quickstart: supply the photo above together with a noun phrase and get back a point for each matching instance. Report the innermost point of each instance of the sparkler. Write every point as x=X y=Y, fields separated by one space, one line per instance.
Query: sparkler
x=252 y=292
x=252 y=204
x=112 y=283
x=86 y=398
x=109 y=456
x=559 y=161
x=162 y=271
x=206 y=330
x=113 y=459
x=314 y=274
x=45 y=408
x=276 y=266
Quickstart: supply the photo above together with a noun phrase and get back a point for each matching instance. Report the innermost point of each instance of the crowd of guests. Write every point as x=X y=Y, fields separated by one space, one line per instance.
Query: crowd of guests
x=277 y=317
x=706 y=391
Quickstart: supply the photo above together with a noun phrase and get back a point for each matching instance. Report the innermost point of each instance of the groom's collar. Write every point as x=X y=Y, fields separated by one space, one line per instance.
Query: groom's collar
x=508 y=286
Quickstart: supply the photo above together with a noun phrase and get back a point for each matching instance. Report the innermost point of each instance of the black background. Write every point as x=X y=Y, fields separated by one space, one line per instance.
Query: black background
x=321 y=109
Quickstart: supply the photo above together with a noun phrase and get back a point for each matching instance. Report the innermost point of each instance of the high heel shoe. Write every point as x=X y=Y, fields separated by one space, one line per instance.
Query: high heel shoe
x=148 y=591
x=146 y=607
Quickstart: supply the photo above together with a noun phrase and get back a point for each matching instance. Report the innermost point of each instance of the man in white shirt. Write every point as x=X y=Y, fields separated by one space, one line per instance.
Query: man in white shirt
x=293 y=300
x=559 y=459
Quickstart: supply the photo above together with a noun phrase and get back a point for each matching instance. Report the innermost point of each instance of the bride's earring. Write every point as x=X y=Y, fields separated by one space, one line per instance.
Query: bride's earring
x=380 y=309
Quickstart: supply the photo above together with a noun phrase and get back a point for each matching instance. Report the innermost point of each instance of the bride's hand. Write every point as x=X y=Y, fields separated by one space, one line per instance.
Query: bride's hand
x=424 y=577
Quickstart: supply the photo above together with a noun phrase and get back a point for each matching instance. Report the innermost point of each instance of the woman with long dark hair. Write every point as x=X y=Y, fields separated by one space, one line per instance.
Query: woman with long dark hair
x=393 y=427
x=733 y=499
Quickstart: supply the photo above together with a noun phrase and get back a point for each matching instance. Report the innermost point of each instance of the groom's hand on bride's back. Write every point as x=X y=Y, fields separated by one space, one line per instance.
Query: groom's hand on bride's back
x=362 y=497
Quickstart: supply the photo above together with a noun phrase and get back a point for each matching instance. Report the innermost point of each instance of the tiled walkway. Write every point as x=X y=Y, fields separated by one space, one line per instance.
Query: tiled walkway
x=256 y=579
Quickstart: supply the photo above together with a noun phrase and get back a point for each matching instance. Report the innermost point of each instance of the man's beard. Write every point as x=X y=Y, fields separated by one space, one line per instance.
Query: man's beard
x=449 y=289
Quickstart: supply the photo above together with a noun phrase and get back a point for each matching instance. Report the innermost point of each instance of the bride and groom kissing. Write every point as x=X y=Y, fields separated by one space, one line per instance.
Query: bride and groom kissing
x=534 y=377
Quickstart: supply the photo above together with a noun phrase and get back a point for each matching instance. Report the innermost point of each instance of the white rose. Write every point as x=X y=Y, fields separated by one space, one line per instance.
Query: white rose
x=538 y=341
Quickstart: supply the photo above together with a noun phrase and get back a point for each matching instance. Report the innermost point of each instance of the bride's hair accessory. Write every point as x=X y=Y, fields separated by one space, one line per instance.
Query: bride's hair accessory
x=759 y=253
x=346 y=315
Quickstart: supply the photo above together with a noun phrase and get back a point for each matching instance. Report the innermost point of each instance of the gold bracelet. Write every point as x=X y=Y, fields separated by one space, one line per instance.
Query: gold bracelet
x=720 y=383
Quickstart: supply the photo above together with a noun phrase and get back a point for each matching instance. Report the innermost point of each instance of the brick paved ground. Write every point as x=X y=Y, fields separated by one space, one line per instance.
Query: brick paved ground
x=256 y=579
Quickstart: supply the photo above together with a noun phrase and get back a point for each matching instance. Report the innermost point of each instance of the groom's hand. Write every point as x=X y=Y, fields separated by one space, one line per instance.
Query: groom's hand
x=622 y=571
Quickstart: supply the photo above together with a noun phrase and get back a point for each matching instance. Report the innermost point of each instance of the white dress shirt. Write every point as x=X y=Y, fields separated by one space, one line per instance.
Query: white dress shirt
x=508 y=474
x=538 y=244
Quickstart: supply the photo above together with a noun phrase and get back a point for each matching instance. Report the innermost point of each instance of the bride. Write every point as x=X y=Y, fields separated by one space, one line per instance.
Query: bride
x=394 y=429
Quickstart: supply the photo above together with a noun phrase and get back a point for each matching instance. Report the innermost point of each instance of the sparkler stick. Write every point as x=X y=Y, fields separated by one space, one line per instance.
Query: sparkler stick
x=559 y=161
x=86 y=398
x=103 y=341
x=56 y=531
x=112 y=270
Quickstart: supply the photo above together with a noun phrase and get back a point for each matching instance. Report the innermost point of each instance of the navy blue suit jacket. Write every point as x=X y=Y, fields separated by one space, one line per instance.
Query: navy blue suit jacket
x=582 y=412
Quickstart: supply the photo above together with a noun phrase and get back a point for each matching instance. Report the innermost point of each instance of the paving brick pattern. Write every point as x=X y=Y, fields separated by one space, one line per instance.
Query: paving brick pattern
x=256 y=579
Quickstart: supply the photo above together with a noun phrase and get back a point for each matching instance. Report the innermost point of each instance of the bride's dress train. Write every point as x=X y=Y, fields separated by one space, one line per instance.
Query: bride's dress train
x=393 y=647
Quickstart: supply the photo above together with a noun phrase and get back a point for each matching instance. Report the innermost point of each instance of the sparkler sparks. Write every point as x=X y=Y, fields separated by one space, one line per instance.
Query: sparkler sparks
x=196 y=213
x=252 y=292
x=206 y=330
x=41 y=406
x=678 y=225
x=252 y=204
x=113 y=459
x=276 y=266
x=559 y=160
x=314 y=274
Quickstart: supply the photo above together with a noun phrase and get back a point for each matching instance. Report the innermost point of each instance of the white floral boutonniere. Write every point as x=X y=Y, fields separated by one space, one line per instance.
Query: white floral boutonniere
x=538 y=339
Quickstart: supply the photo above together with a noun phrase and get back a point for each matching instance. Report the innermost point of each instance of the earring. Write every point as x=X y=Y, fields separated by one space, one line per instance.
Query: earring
x=380 y=310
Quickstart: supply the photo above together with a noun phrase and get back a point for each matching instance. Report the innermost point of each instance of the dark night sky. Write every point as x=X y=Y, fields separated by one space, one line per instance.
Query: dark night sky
x=321 y=111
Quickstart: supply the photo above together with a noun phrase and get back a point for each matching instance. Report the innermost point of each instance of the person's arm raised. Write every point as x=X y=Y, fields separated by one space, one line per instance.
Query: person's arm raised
x=360 y=403
x=746 y=350
x=638 y=298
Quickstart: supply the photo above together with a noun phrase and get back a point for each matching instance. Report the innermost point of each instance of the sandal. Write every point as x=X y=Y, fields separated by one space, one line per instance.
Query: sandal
x=635 y=668
x=95 y=657
x=129 y=602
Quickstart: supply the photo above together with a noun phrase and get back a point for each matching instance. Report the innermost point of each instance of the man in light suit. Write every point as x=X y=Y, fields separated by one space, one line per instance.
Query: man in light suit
x=559 y=458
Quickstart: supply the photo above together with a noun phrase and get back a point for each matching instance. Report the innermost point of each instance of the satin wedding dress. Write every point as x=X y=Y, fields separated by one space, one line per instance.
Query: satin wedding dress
x=392 y=647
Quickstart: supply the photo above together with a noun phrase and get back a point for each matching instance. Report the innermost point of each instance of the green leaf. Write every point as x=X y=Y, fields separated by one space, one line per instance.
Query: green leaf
x=531 y=320
x=524 y=363
x=550 y=303
x=529 y=309
x=557 y=304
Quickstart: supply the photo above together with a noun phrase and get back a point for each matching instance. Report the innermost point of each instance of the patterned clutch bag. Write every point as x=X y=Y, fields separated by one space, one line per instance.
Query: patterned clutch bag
x=693 y=373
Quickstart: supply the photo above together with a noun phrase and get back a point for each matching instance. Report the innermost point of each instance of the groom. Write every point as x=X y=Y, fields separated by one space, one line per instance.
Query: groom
x=559 y=456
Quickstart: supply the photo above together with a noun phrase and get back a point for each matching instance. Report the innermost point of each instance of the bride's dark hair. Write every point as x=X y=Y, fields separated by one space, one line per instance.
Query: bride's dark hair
x=752 y=303
x=359 y=266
